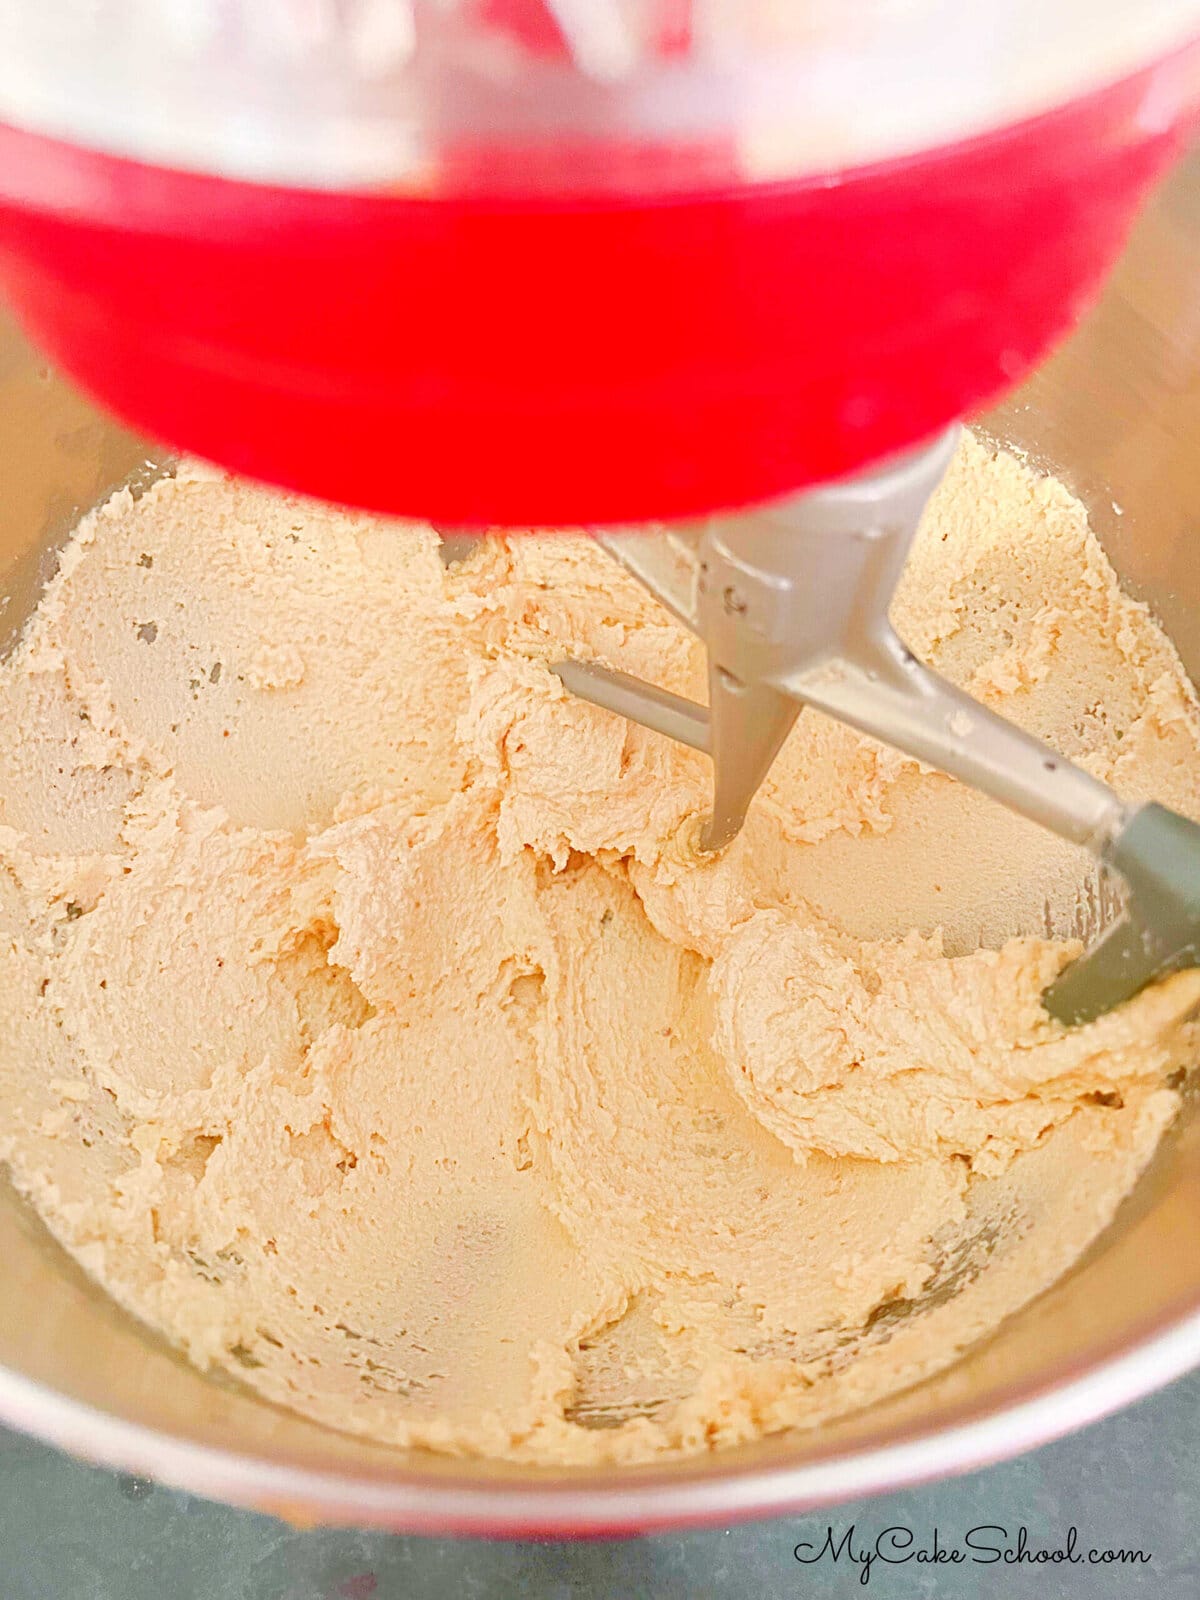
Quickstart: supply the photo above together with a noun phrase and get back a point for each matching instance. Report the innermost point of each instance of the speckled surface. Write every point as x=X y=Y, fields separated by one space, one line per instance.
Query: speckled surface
x=70 y=1532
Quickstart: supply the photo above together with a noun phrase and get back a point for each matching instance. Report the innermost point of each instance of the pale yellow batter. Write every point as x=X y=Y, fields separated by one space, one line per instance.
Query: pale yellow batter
x=370 y=1025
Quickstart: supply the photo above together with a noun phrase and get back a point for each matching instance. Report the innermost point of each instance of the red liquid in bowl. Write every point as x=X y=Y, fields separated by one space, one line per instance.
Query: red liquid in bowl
x=546 y=362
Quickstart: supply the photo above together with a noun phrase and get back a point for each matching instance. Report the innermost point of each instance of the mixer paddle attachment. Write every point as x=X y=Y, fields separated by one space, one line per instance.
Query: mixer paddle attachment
x=791 y=601
x=1157 y=853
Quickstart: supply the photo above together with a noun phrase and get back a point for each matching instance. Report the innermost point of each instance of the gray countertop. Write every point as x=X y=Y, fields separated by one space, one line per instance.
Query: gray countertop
x=72 y=1532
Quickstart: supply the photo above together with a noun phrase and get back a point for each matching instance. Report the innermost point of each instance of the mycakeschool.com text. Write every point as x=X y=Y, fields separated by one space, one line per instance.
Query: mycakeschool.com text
x=987 y=1545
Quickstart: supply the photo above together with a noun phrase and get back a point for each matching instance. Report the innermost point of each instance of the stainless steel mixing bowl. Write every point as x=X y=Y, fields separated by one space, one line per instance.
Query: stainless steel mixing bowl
x=1117 y=414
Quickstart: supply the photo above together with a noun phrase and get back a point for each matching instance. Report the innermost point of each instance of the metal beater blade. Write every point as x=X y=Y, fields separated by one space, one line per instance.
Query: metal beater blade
x=792 y=605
